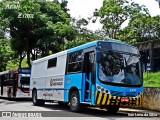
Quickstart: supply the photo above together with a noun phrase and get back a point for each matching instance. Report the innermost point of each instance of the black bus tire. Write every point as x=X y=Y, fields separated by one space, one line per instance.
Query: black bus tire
x=34 y=98
x=112 y=109
x=74 y=101
x=36 y=101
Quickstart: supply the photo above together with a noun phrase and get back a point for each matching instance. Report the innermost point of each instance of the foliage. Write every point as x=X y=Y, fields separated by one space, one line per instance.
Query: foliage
x=6 y=54
x=43 y=32
x=151 y=79
x=82 y=34
x=74 y=43
x=39 y=28
x=141 y=28
x=114 y=13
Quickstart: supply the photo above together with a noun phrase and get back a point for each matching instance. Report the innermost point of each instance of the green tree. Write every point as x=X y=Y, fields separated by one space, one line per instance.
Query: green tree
x=43 y=32
x=83 y=34
x=140 y=29
x=114 y=13
x=6 y=54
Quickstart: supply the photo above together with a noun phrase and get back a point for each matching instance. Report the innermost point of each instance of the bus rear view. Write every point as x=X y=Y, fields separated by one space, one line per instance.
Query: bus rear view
x=104 y=73
x=15 y=83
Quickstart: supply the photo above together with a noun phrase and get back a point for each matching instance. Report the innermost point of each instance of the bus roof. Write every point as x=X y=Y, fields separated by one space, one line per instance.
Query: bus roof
x=87 y=45
x=94 y=43
x=15 y=70
x=4 y=72
x=9 y=71
x=50 y=56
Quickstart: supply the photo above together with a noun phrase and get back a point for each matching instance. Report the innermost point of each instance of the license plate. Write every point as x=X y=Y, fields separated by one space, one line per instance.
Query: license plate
x=124 y=100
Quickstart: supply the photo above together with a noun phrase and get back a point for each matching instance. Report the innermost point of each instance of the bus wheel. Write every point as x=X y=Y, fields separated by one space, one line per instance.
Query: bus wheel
x=112 y=109
x=9 y=96
x=74 y=101
x=36 y=101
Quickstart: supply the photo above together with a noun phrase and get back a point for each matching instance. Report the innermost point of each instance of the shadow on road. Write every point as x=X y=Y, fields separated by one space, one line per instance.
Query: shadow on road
x=15 y=99
x=64 y=111
x=55 y=110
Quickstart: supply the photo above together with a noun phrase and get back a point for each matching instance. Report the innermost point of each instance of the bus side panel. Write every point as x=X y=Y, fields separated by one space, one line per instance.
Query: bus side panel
x=72 y=80
x=55 y=80
x=49 y=82
x=38 y=74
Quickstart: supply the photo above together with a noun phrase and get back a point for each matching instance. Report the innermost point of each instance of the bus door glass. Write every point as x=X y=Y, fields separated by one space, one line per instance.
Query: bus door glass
x=88 y=64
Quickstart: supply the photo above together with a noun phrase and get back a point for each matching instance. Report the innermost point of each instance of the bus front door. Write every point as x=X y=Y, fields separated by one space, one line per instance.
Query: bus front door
x=88 y=82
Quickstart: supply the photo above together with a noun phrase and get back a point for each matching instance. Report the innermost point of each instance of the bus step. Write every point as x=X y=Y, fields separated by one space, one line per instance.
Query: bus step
x=86 y=103
x=88 y=100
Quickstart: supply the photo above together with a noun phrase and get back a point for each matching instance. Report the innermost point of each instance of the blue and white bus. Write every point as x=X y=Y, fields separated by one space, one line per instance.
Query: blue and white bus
x=105 y=73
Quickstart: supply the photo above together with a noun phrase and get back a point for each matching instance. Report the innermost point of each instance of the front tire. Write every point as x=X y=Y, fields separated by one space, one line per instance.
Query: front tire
x=112 y=109
x=74 y=101
x=36 y=101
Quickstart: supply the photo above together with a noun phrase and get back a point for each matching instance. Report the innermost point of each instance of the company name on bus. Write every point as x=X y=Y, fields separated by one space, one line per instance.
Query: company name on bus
x=56 y=82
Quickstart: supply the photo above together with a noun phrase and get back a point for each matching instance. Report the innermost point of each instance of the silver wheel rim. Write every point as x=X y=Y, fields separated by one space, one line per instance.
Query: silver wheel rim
x=74 y=101
x=34 y=98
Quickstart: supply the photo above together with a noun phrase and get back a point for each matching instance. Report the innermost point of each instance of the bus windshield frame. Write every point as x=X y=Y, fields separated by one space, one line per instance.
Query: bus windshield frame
x=24 y=80
x=119 y=68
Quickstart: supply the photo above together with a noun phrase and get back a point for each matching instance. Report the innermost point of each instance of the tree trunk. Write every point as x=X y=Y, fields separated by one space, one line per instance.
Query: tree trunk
x=28 y=59
x=151 y=54
x=20 y=61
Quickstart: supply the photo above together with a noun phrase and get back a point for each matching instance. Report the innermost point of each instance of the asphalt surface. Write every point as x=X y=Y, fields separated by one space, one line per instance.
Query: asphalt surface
x=23 y=109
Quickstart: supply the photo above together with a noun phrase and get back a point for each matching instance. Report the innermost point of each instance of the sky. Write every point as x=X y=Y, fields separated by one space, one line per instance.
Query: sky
x=85 y=8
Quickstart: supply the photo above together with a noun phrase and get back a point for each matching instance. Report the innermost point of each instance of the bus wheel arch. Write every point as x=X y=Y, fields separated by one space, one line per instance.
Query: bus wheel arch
x=74 y=99
x=35 y=101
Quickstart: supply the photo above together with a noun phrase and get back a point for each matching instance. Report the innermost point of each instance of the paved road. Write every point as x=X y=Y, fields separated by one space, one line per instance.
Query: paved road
x=23 y=109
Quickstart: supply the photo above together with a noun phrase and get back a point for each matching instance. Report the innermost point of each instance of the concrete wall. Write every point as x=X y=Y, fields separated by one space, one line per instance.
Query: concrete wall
x=151 y=99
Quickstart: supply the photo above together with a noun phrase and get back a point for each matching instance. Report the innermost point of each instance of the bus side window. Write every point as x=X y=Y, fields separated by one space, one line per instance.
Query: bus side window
x=75 y=62
x=52 y=63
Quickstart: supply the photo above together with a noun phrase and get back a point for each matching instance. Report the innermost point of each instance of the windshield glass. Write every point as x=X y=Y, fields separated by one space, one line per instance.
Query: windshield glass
x=119 y=68
x=24 y=79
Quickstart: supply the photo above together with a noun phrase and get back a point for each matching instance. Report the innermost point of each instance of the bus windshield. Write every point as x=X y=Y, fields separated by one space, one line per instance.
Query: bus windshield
x=120 y=68
x=24 y=79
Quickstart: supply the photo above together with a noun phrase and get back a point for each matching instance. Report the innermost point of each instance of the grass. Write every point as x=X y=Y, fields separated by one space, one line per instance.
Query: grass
x=151 y=79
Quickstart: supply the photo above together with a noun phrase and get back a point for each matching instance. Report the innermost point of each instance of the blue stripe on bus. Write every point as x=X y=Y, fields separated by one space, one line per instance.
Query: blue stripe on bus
x=50 y=89
x=119 y=88
x=94 y=43
x=87 y=45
